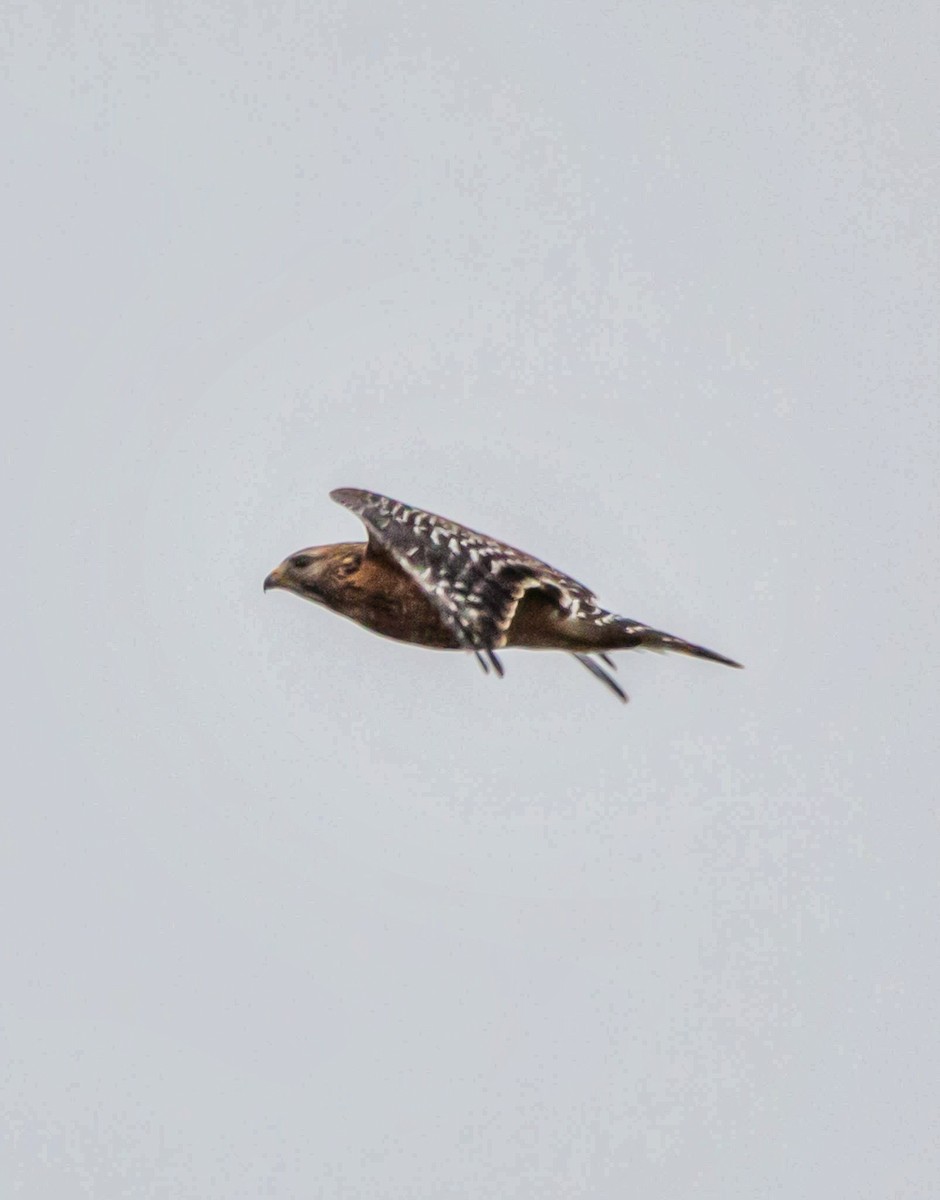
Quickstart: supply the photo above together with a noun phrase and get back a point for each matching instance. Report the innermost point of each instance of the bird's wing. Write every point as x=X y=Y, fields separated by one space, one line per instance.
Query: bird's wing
x=474 y=581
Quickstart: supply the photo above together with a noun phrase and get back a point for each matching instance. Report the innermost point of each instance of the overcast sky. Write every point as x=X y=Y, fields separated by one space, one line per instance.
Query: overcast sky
x=649 y=290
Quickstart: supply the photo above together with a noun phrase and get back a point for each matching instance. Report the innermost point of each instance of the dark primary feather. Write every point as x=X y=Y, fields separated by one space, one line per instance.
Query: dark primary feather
x=474 y=581
x=599 y=673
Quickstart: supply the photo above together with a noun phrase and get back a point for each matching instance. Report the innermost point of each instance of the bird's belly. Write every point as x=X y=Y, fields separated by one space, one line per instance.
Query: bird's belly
x=418 y=625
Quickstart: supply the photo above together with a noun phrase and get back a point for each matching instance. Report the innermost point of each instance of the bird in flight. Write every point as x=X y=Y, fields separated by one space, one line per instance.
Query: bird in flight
x=426 y=580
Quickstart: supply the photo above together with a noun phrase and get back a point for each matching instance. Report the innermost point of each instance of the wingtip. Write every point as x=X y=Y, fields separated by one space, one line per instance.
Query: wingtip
x=599 y=673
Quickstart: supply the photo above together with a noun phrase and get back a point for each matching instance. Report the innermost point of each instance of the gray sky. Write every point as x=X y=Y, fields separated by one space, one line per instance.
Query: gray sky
x=649 y=290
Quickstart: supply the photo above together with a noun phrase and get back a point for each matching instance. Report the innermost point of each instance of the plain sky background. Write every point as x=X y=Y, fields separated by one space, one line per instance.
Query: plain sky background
x=648 y=289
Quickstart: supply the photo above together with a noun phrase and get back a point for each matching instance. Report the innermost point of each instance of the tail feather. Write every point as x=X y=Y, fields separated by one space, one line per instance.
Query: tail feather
x=655 y=639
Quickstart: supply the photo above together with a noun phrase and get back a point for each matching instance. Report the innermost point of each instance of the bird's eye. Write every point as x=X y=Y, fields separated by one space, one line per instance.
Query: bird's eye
x=301 y=561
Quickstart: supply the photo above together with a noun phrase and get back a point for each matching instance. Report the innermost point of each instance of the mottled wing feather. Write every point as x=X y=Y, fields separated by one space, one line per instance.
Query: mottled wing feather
x=474 y=581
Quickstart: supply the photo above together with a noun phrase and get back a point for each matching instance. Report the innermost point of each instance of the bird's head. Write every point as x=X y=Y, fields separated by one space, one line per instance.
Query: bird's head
x=319 y=572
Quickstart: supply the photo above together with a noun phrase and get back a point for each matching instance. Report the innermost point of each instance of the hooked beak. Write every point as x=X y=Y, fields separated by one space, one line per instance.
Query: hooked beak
x=273 y=580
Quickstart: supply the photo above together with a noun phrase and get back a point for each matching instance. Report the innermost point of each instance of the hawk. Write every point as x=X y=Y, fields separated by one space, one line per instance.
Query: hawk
x=423 y=579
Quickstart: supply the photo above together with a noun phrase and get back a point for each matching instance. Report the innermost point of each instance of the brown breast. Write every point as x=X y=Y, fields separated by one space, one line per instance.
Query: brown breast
x=384 y=599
